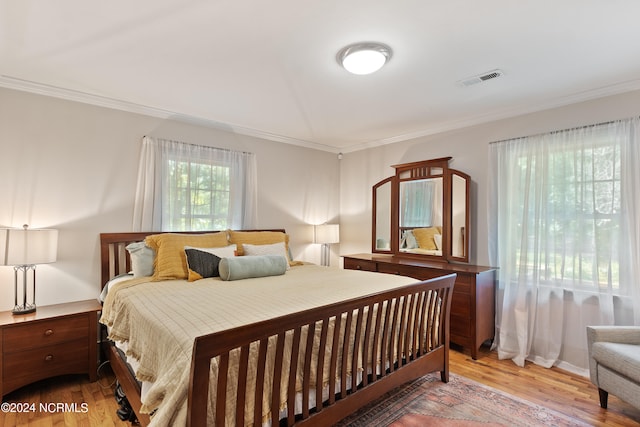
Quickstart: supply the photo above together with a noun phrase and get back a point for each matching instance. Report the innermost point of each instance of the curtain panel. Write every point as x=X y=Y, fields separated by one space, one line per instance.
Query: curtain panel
x=184 y=187
x=565 y=234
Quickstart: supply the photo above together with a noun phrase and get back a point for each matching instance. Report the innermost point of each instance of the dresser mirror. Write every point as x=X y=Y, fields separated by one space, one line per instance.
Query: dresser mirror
x=423 y=211
x=382 y=215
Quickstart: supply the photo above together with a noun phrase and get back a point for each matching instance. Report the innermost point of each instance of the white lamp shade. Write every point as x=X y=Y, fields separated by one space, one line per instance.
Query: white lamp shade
x=28 y=246
x=327 y=233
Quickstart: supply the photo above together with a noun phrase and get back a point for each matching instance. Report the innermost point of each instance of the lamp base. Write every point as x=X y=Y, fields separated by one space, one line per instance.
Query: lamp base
x=24 y=309
x=325 y=256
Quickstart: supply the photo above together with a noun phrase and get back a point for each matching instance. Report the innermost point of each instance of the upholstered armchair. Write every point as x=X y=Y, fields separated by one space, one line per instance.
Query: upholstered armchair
x=614 y=362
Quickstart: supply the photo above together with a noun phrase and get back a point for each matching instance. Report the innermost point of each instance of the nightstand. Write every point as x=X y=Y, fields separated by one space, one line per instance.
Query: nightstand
x=55 y=340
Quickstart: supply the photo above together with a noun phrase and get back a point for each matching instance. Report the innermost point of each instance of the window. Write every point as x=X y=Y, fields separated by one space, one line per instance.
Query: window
x=198 y=195
x=565 y=235
x=571 y=235
x=561 y=207
x=185 y=187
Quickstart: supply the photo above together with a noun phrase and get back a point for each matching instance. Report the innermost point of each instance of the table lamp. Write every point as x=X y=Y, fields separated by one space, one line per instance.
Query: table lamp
x=24 y=249
x=326 y=234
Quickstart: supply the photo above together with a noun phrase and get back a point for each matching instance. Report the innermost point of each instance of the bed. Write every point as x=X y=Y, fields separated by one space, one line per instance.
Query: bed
x=308 y=346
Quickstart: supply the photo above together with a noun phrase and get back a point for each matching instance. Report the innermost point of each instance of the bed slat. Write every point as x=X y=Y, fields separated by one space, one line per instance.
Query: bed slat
x=291 y=392
x=277 y=373
x=242 y=383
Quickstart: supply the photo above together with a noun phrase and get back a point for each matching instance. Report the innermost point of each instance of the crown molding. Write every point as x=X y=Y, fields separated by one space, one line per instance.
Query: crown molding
x=574 y=98
x=117 y=104
x=131 y=107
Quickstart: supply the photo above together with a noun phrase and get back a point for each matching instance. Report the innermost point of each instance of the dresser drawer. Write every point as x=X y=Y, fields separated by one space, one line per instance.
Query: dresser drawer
x=409 y=271
x=460 y=326
x=464 y=282
x=360 y=264
x=45 y=332
x=24 y=367
x=461 y=305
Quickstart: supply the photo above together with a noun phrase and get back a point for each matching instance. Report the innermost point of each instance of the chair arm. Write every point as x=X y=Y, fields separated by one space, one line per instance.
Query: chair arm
x=617 y=334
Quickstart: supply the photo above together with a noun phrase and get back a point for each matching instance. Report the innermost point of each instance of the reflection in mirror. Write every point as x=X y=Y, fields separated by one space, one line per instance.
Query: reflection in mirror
x=420 y=216
x=382 y=194
x=458 y=215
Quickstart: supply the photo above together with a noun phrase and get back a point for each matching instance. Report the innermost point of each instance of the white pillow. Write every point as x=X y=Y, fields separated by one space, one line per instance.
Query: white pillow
x=270 y=249
x=141 y=259
x=438 y=239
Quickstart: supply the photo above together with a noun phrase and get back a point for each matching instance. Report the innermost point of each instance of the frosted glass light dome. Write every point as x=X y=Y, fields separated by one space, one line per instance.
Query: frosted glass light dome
x=364 y=58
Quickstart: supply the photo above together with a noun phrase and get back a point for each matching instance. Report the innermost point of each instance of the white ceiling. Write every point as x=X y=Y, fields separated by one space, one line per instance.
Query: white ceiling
x=268 y=68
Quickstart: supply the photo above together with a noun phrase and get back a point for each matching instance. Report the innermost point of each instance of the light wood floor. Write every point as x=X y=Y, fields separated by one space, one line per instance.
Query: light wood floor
x=570 y=394
x=553 y=388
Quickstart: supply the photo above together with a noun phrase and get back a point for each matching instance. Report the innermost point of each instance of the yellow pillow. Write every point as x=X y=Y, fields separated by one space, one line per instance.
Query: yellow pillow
x=171 y=261
x=424 y=237
x=258 y=238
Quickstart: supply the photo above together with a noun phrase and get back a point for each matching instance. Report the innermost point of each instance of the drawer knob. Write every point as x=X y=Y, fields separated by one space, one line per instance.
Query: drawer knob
x=48 y=332
x=48 y=358
x=359 y=267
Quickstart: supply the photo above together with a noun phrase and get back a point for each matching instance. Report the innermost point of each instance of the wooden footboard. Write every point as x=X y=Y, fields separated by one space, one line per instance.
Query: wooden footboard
x=389 y=337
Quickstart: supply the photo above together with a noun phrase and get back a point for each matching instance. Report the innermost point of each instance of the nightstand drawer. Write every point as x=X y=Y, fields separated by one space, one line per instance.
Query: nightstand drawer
x=45 y=332
x=24 y=367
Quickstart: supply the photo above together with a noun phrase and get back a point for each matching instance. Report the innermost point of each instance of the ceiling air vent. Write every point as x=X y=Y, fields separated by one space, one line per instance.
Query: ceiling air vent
x=481 y=78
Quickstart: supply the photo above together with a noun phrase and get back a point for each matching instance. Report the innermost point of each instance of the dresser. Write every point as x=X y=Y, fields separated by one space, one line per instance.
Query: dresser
x=55 y=340
x=473 y=303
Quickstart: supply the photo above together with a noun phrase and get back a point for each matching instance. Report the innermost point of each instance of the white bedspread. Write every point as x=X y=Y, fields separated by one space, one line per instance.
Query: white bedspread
x=160 y=320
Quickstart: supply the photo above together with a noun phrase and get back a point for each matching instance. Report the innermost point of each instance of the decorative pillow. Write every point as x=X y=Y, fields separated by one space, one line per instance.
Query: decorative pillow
x=270 y=249
x=246 y=267
x=424 y=236
x=142 y=257
x=438 y=239
x=258 y=238
x=203 y=262
x=408 y=240
x=171 y=261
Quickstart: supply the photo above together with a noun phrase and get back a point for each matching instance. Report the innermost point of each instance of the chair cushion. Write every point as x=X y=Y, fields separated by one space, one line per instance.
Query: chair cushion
x=622 y=358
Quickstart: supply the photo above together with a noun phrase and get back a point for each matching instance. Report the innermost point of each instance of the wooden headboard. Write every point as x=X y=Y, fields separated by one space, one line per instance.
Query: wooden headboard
x=114 y=258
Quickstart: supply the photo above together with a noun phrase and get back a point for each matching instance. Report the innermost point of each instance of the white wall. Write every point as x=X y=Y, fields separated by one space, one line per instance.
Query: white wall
x=73 y=167
x=469 y=148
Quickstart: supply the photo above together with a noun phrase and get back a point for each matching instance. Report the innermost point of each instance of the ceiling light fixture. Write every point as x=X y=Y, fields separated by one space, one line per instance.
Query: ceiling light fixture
x=364 y=58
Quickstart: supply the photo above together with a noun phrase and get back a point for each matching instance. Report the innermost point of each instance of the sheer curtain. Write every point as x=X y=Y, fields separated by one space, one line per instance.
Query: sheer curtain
x=421 y=203
x=185 y=187
x=565 y=234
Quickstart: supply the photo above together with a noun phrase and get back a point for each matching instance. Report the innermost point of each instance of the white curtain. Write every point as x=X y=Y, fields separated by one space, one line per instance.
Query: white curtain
x=174 y=177
x=564 y=230
x=421 y=203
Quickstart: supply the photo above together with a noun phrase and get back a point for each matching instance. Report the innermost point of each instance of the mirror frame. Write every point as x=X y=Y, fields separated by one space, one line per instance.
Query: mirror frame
x=374 y=224
x=427 y=169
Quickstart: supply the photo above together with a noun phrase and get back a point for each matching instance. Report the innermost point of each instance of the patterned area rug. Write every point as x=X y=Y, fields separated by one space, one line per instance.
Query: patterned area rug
x=461 y=402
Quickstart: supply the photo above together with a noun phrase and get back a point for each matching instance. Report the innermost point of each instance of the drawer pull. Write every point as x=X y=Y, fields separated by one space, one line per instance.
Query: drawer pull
x=358 y=267
x=48 y=358
x=48 y=332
